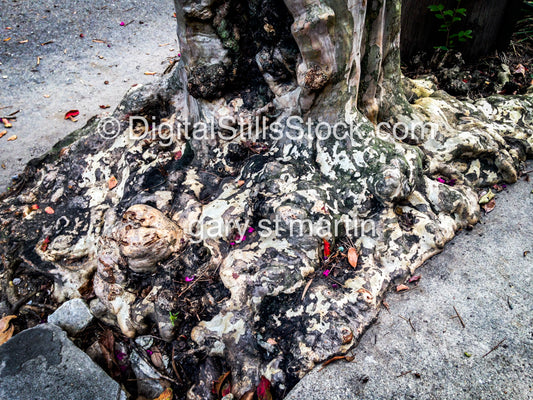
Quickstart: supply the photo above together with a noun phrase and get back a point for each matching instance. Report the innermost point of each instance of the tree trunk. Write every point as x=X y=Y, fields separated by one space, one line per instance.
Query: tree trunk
x=162 y=221
x=492 y=23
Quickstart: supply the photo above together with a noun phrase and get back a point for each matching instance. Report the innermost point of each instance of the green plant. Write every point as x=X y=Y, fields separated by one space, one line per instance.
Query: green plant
x=173 y=318
x=524 y=27
x=449 y=19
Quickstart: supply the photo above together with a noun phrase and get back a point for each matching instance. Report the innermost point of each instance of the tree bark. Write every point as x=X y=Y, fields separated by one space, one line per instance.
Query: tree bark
x=141 y=213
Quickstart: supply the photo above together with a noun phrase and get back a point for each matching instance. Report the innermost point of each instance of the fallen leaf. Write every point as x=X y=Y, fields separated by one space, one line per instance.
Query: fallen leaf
x=112 y=183
x=166 y=395
x=272 y=342
x=35 y=207
x=157 y=358
x=7 y=39
x=263 y=390
x=178 y=155
x=269 y=28
x=520 y=70
x=6 y=123
x=46 y=242
x=491 y=205
x=23 y=41
x=71 y=114
x=49 y=210
x=240 y=183
x=2 y=133
x=150 y=73
x=367 y=296
x=249 y=395
x=348 y=337
x=353 y=257
x=415 y=278
x=12 y=138
x=222 y=386
x=46 y=96
x=468 y=354
x=107 y=345
x=6 y=329
x=486 y=197
x=86 y=290
x=401 y=288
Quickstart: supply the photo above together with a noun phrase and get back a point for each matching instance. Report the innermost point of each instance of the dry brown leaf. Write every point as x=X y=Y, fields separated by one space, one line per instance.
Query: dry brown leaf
x=6 y=123
x=2 y=134
x=222 y=384
x=269 y=28
x=348 y=337
x=6 y=329
x=489 y=206
x=166 y=395
x=112 y=183
x=157 y=358
x=353 y=257
x=150 y=73
x=12 y=138
x=401 y=288
x=249 y=395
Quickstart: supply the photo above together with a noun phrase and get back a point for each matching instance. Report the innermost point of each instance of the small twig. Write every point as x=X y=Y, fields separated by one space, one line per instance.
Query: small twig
x=336 y=358
x=409 y=321
x=307 y=288
x=21 y=302
x=404 y=373
x=494 y=348
x=129 y=22
x=174 y=367
x=460 y=319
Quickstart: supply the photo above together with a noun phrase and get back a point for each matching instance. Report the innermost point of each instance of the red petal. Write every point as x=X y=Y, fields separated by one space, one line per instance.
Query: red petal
x=263 y=390
x=71 y=114
x=327 y=248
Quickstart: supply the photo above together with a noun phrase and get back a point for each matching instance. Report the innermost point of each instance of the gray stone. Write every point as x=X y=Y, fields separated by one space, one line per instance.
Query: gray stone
x=41 y=363
x=73 y=316
x=147 y=377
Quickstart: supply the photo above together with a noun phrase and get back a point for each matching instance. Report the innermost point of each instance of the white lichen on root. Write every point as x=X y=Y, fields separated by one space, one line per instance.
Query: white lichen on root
x=145 y=228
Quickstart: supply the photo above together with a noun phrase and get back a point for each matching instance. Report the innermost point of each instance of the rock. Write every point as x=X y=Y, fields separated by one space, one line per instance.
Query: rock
x=147 y=377
x=42 y=363
x=73 y=316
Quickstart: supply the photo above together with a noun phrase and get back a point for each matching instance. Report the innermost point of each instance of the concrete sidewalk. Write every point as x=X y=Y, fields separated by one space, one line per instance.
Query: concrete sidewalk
x=487 y=276
x=73 y=70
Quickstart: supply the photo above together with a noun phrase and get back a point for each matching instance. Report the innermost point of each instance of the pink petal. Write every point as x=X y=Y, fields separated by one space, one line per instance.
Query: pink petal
x=326 y=272
x=250 y=230
x=122 y=23
x=189 y=278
